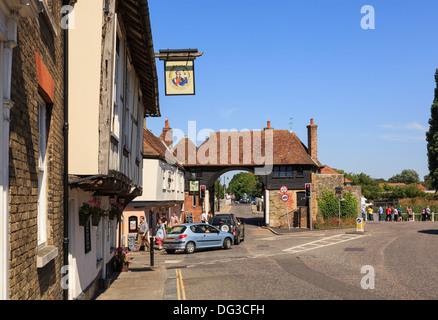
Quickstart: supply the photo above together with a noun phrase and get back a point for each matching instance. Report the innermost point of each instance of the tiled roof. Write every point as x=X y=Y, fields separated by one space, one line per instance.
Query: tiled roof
x=248 y=148
x=154 y=147
x=327 y=170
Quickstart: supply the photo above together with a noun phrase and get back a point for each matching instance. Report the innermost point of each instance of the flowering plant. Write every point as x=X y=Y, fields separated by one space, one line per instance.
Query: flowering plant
x=117 y=209
x=92 y=208
x=122 y=255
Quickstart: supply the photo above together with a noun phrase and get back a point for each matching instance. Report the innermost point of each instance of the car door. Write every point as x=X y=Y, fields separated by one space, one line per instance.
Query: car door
x=212 y=237
x=197 y=236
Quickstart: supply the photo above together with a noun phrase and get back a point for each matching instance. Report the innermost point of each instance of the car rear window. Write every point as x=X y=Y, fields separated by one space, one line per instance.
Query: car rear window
x=177 y=230
x=219 y=220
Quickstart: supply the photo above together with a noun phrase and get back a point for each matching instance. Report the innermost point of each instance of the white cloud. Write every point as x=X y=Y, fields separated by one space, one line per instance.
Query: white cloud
x=225 y=113
x=408 y=126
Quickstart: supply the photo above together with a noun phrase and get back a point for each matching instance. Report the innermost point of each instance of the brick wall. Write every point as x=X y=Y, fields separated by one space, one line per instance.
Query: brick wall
x=298 y=215
x=188 y=207
x=35 y=38
x=322 y=182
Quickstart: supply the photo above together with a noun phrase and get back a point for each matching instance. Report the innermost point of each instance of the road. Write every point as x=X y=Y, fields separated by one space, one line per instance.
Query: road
x=390 y=261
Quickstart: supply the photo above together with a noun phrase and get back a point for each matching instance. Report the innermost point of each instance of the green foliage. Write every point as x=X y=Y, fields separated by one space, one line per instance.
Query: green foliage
x=407 y=176
x=432 y=139
x=245 y=182
x=329 y=205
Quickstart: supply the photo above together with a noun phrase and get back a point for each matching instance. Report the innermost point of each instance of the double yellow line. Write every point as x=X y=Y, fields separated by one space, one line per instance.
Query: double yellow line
x=180 y=285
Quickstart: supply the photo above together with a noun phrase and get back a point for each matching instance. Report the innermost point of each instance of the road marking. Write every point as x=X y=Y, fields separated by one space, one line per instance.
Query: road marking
x=180 y=285
x=323 y=243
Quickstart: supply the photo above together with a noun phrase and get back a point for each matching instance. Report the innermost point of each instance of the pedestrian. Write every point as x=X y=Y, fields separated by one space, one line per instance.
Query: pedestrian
x=394 y=214
x=204 y=217
x=409 y=210
x=164 y=219
x=370 y=213
x=388 y=213
x=174 y=220
x=399 y=212
x=427 y=213
x=364 y=217
x=159 y=235
x=142 y=235
x=210 y=216
x=380 y=213
x=423 y=218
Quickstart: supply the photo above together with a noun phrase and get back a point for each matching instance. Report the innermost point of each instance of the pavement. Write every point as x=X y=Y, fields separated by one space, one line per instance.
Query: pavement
x=142 y=281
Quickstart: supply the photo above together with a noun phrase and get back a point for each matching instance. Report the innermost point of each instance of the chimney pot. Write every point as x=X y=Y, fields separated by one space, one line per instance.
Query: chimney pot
x=167 y=123
x=311 y=121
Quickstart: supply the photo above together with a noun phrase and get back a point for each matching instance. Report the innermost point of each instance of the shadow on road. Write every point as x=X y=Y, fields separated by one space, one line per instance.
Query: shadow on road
x=429 y=231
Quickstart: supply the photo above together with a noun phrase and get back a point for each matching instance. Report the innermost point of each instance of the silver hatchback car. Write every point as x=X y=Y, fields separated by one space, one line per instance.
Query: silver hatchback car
x=192 y=236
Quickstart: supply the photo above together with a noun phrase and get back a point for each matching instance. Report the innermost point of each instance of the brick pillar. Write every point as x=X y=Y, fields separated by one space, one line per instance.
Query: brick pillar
x=312 y=140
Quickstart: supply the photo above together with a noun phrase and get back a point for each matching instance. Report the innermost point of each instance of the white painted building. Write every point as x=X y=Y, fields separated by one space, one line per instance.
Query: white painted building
x=163 y=187
x=113 y=87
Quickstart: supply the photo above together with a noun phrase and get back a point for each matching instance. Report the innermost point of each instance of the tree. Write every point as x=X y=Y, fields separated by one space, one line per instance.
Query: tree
x=407 y=176
x=432 y=139
x=329 y=205
x=245 y=182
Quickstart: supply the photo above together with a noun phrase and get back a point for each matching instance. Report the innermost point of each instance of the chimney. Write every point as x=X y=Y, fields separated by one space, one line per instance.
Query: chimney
x=268 y=126
x=167 y=134
x=312 y=140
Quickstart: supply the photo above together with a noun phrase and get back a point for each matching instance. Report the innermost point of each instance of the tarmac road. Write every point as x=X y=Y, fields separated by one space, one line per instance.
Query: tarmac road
x=390 y=261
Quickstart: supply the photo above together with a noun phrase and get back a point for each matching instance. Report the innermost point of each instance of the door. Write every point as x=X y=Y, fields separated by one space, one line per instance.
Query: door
x=211 y=237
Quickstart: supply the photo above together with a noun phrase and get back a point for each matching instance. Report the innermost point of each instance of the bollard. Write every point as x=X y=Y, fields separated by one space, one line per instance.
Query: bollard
x=151 y=241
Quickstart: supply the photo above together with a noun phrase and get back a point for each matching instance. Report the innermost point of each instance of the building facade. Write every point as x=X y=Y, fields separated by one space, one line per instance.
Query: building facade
x=112 y=88
x=32 y=109
x=163 y=188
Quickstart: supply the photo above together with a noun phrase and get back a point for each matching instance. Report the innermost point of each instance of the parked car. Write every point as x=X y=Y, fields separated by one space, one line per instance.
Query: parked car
x=230 y=223
x=192 y=236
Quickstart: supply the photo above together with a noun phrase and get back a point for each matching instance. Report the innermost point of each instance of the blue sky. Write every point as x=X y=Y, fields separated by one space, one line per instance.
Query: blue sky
x=369 y=91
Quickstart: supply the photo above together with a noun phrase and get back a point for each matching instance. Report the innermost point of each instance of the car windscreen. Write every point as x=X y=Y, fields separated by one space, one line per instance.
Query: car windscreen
x=177 y=230
x=220 y=220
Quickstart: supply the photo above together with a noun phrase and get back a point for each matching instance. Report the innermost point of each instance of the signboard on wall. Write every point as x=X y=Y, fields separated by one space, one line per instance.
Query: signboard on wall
x=180 y=77
x=189 y=217
x=87 y=235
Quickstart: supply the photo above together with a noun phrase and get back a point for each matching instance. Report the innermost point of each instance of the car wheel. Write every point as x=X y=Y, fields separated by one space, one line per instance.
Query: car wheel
x=227 y=243
x=237 y=239
x=170 y=251
x=225 y=228
x=190 y=247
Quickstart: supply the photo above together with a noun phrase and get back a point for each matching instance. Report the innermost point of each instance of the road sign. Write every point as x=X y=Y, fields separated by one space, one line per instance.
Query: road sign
x=359 y=224
x=283 y=189
x=284 y=197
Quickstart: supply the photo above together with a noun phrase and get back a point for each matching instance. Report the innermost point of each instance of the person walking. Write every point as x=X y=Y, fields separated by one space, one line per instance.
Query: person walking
x=427 y=213
x=380 y=213
x=399 y=213
x=409 y=211
x=174 y=220
x=394 y=214
x=388 y=213
x=142 y=235
x=204 y=217
x=159 y=236
x=364 y=216
x=370 y=213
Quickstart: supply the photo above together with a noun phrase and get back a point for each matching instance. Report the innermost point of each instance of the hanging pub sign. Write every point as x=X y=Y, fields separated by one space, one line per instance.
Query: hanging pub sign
x=180 y=77
x=179 y=70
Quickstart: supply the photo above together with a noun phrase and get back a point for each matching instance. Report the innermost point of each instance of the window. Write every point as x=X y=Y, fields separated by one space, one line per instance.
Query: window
x=42 y=175
x=116 y=90
x=283 y=172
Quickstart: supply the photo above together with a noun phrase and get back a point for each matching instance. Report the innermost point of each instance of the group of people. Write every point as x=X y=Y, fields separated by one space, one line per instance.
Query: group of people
x=159 y=230
x=393 y=213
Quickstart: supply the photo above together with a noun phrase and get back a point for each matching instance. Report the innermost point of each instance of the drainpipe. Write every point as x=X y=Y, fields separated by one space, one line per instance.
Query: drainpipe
x=65 y=132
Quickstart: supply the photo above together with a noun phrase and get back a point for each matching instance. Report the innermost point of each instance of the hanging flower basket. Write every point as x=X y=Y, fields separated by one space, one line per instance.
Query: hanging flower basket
x=116 y=211
x=91 y=209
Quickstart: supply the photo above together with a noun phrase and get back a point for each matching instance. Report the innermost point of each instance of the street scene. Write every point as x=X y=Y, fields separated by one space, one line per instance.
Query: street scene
x=219 y=158
x=388 y=261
